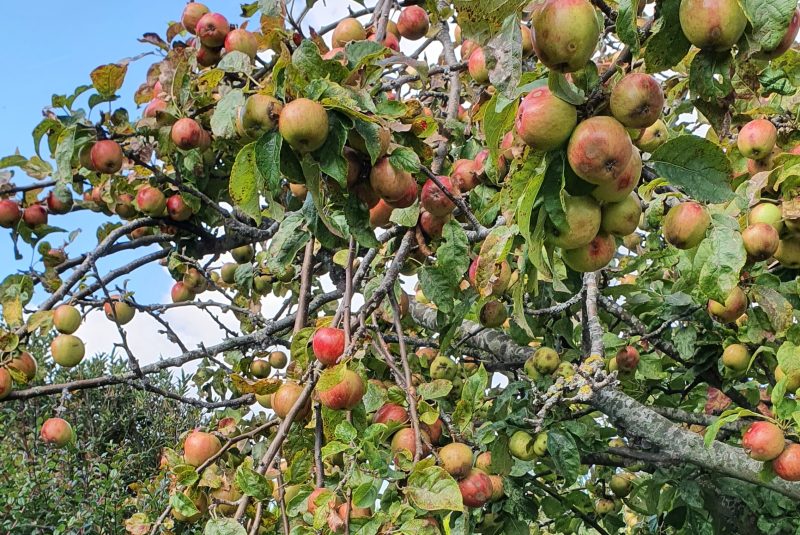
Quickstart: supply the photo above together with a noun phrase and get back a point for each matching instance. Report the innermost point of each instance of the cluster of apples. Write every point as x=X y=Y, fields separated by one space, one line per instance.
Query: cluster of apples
x=764 y=441
x=214 y=35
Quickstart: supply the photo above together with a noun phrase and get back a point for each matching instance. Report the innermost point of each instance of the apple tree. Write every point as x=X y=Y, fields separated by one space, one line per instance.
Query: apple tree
x=478 y=267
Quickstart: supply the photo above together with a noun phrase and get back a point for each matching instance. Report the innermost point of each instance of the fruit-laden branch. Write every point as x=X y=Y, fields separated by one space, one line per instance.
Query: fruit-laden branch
x=637 y=419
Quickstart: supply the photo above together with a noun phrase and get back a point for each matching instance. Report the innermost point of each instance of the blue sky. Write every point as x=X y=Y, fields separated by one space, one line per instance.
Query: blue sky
x=57 y=45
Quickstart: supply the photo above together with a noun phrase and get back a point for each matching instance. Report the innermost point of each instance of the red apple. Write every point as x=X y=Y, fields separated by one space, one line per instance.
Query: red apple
x=328 y=345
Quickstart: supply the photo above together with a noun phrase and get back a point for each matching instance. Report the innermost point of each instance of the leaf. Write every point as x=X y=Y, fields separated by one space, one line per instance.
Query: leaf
x=246 y=183
x=224 y=526
x=433 y=489
x=183 y=504
x=777 y=308
x=345 y=432
x=697 y=165
x=713 y=429
x=564 y=451
x=438 y=388
x=299 y=350
x=406 y=217
x=472 y=395
x=720 y=259
x=770 y=19
x=627 y=30
x=788 y=356
x=406 y=159
x=259 y=386
x=479 y=20
x=63 y=156
x=440 y=281
x=108 y=79
x=223 y=121
x=186 y=474
x=289 y=239
x=357 y=216
x=667 y=45
x=504 y=55
x=268 y=160
x=563 y=89
x=710 y=75
x=235 y=61
x=331 y=160
x=501 y=456
x=252 y=483
x=496 y=122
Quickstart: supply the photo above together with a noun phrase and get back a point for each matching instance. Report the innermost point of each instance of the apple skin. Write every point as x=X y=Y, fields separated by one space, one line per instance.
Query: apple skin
x=565 y=33
x=177 y=208
x=456 y=458
x=521 y=446
x=25 y=364
x=10 y=213
x=346 y=395
x=192 y=14
x=303 y=124
x=390 y=413
x=67 y=350
x=35 y=215
x=734 y=306
x=6 y=383
x=434 y=199
x=477 y=66
x=685 y=225
x=757 y=138
x=405 y=439
x=66 y=319
x=56 y=206
x=56 y=432
x=122 y=312
x=106 y=156
x=328 y=345
x=181 y=293
x=347 y=30
x=599 y=149
x=187 y=134
x=712 y=24
x=763 y=441
x=544 y=121
x=413 y=23
x=199 y=447
x=637 y=100
x=787 y=464
x=284 y=399
x=627 y=359
x=466 y=174
x=151 y=201
x=760 y=241
x=211 y=29
x=476 y=489
x=242 y=41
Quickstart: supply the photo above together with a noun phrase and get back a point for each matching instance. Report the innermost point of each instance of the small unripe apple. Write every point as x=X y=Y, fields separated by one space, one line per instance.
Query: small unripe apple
x=653 y=136
x=118 y=311
x=787 y=464
x=66 y=319
x=35 y=215
x=621 y=484
x=187 y=134
x=278 y=360
x=261 y=114
x=788 y=252
x=328 y=345
x=243 y=254
x=260 y=368
x=476 y=489
x=521 y=446
x=195 y=280
x=106 y=156
x=181 y=293
x=685 y=225
x=763 y=441
x=456 y=459
x=766 y=213
x=151 y=201
x=242 y=41
x=593 y=256
x=228 y=272
x=413 y=23
x=761 y=240
x=757 y=138
x=477 y=66
x=286 y=397
x=483 y=462
x=735 y=305
x=622 y=218
x=347 y=30
x=344 y=395
x=303 y=124
x=736 y=357
x=57 y=206
x=192 y=14
x=56 y=432
x=10 y=214
x=546 y=360
x=443 y=368
x=627 y=359
x=493 y=314
x=604 y=506
x=67 y=350
x=211 y=29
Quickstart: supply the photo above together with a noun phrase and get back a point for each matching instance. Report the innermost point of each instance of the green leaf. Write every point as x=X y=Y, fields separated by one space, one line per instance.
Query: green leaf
x=710 y=75
x=186 y=474
x=223 y=121
x=183 y=504
x=289 y=239
x=720 y=259
x=563 y=89
x=777 y=308
x=440 y=281
x=406 y=159
x=479 y=20
x=334 y=447
x=235 y=61
x=299 y=349
x=346 y=432
x=504 y=56
x=64 y=150
x=496 y=122
x=502 y=462
x=472 y=394
x=357 y=216
x=406 y=217
x=433 y=489
x=246 y=183
x=713 y=429
x=252 y=483
x=770 y=19
x=268 y=160
x=438 y=388
x=308 y=63
x=224 y=526
x=627 y=31
x=777 y=81
x=667 y=45
x=788 y=357
x=365 y=495
x=564 y=451
x=697 y=165
x=331 y=160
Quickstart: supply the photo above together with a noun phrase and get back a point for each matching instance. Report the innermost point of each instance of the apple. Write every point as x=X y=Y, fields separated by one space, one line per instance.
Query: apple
x=66 y=319
x=413 y=23
x=390 y=413
x=192 y=14
x=328 y=345
x=685 y=225
x=6 y=383
x=344 y=395
x=433 y=198
x=242 y=41
x=119 y=311
x=712 y=24
x=25 y=364
x=456 y=458
x=10 y=213
x=35 y=215
x=286 y=397
x=476 y=489
x=348 y=29
x=303 y=124
x=787 y=464
x=212 y=29
x=181 y=293
x=521 y=446
x=151 y=201
x=200 y=447
x=177 y=208
x=67 y=350
x=243 y=254
x=106 y=156
x=763 y=441
x=57 y=206
x=56 y=432
x=627 y=359
x=544 y=121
